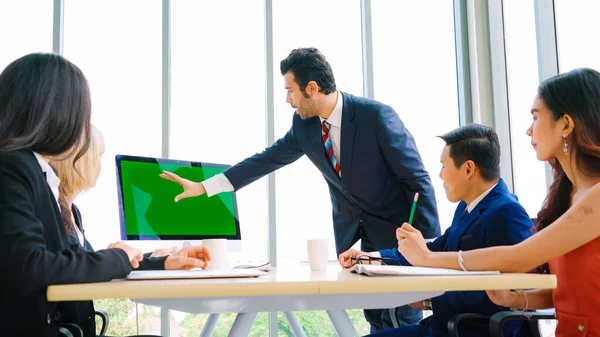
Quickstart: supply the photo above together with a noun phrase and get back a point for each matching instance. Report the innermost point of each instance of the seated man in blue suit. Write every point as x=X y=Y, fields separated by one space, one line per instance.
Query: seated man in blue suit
x=487 y=215
x=368 y=158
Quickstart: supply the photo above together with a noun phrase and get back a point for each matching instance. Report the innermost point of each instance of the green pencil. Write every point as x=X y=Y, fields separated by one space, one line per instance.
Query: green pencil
x=414 y=207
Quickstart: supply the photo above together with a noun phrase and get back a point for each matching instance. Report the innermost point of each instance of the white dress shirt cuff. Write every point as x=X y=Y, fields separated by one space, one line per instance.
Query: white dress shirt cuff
x=375 y=254
x=217 y=184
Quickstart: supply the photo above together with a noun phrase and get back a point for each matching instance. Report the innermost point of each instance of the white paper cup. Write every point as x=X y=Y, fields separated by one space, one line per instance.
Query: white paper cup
x=317 y=254
x=218 y=253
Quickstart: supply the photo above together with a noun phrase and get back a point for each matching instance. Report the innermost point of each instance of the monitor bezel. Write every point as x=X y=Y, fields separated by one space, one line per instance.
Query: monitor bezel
x=124 y=236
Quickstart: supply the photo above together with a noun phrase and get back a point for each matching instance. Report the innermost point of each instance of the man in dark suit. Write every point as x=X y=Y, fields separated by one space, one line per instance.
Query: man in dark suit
x=487 y=215
x=368 y=158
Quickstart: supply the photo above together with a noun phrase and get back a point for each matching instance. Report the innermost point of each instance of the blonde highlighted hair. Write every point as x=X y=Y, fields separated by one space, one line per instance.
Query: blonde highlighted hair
x=78 y=174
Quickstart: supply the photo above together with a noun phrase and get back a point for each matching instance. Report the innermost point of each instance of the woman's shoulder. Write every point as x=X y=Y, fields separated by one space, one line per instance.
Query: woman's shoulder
x=19 y=166
x=16 y=159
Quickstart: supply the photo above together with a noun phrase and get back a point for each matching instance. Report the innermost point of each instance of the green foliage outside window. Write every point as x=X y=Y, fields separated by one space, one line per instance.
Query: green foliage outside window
x=127 y=318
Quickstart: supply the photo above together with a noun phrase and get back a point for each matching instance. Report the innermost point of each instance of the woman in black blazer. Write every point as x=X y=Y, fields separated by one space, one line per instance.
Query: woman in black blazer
x=44 y=114
x=76 y=177
x=80 y=176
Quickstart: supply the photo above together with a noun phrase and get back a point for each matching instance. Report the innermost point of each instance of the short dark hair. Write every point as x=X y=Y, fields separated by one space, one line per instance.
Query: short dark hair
x=478 y=143
x=44 y=106
x=308 y=64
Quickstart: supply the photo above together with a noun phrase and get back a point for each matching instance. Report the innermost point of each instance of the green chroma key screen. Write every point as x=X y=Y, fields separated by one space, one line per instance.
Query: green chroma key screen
x=147 y=206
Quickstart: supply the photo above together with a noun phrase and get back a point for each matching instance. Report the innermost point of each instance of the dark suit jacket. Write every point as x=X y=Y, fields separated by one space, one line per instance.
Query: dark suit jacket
x=79 y=311
x=36 y=253
x=498 y=220
x=381 y=171
x=148 y=263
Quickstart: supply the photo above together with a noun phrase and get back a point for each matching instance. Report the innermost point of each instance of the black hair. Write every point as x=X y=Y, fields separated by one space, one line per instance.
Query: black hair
x=308 y=64
x=478 y=143
x=576 y=93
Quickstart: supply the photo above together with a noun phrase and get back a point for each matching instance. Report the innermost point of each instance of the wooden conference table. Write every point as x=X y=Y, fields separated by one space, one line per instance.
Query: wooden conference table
x=291 y=289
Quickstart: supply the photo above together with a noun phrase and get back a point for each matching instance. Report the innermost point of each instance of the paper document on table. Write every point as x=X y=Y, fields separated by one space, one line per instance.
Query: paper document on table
x=193 y=274
x=266 y=267
x=385 y=270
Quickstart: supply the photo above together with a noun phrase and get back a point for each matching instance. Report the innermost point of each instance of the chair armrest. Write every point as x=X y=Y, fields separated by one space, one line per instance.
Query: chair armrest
x=70 y=330
x=64 y=332
x=498 y=320
x=455 y=320
x=104 y=317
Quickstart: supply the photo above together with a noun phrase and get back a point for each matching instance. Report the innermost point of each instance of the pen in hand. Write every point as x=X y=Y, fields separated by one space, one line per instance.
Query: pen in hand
x=414 y=207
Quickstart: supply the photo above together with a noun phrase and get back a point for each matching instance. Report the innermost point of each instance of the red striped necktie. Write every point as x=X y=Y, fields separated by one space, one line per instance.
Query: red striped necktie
x=329 y=147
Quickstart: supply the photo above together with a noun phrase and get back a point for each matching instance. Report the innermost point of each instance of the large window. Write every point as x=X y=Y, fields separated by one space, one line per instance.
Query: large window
x=522 y=76
x=577 y=27
x=119 y=50
x=414 y=64
x=218 y=100
x=23 y=30
x=303 y=203
x=217 y=103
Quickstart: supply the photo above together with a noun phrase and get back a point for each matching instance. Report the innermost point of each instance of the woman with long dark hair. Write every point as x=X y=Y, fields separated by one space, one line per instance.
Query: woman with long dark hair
x=44 y=111
x=566 y=133
x=45 y=115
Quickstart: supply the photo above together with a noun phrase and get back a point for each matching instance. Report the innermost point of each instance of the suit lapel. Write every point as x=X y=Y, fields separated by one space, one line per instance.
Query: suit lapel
x=347 y=140
x=499 y=190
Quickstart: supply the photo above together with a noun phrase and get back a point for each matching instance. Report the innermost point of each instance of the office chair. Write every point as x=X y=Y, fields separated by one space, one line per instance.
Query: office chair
x=104 y=317
x=497 y=321
x=70 y=330
x=73 y=330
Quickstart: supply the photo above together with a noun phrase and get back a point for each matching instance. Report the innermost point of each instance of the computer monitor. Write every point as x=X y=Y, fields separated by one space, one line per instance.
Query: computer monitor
x=147 y=209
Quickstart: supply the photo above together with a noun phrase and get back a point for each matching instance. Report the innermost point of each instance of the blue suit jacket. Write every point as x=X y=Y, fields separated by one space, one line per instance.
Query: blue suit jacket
x=381 y=171
x=498 y=220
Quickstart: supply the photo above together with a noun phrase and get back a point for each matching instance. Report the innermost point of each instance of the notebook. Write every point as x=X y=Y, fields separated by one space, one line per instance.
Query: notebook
x=385 y=270
x=193 y=274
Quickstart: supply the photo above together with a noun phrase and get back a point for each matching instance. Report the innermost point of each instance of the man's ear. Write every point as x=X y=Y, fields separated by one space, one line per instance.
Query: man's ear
x=312 y=88
x=469 y=168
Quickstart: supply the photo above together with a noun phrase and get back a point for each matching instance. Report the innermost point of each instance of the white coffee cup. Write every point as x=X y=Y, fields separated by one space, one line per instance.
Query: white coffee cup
x=218 y=253
x=318 y=252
